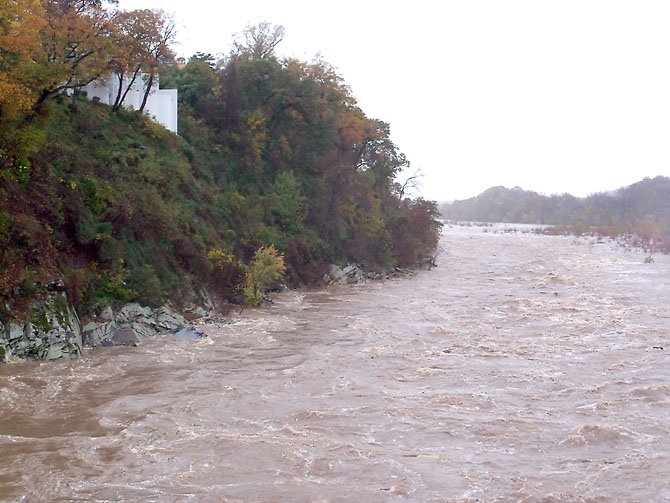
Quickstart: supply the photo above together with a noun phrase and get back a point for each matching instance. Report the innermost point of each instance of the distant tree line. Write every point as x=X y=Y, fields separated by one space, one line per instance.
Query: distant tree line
x=642 y=209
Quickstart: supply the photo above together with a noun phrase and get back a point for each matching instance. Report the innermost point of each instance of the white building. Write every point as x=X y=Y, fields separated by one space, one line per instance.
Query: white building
x=161 y=104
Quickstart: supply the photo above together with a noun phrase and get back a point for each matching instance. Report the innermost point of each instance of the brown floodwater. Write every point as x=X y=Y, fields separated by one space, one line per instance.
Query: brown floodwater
x=523 y=368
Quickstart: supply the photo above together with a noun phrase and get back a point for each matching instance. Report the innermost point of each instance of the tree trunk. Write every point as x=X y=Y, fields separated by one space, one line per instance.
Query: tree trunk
x=117 y=101
x=73 y=103
x=147 y=92
x=130 y=84
x=44 y=95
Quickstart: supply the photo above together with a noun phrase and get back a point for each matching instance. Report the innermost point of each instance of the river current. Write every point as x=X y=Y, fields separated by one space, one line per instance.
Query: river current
x=522 y=368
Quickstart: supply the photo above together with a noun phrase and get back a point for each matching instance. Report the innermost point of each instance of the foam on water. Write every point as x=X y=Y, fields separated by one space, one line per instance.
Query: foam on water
x=525 y=368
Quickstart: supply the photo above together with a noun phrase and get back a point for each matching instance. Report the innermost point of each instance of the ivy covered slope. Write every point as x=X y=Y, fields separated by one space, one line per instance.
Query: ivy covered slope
x=270 y=152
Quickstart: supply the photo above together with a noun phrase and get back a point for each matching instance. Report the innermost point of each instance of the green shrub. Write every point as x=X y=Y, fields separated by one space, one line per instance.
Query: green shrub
x=266 y=268
x=146 y=283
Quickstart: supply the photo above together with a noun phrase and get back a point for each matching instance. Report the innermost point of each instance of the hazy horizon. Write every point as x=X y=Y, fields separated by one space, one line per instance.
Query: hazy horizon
x=549 y=194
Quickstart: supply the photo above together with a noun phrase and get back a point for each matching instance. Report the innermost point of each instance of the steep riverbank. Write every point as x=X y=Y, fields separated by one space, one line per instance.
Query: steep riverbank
x=524 y=367
x=58 y=334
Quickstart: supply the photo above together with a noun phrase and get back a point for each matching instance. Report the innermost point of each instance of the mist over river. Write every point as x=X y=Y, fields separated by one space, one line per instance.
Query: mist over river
x=523 y=368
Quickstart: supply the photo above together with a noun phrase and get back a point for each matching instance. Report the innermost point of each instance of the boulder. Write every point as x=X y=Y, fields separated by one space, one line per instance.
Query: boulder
x=126 y=336
x=107 y=314
x=134 y=312
x=56 y=350
x=131 y=324
x=196 y=302
x=142 y=328
x=337 y=275
x=205 y=299
x=196 y=312
x=53 y=335
x=354 y=273
x=138 y=319
x=189 y=333
x=99 y=334
x=167 y=319
x=14 y=332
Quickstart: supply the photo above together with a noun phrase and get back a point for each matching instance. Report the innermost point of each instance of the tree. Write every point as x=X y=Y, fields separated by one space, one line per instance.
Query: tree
x=266 y=268
x=161 y=36
x=259 y=41
x=132 y=36
x=415 y=231
x=381 y=157
x=75 y=41
x=410 y=183
x=20 y=24
x=204 y=57
x=197 y=82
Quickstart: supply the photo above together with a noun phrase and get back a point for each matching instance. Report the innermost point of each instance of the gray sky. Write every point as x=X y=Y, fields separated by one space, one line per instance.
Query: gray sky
x=553 y=96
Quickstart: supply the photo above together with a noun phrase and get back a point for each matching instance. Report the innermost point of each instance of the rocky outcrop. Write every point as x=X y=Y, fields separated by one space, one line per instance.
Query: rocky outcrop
x=335 y=276
x=99 y=334
x=131 y=324
x=350 y=273
x=199 y=305
x=53 y=333
x=167 y=319
x=355 y=273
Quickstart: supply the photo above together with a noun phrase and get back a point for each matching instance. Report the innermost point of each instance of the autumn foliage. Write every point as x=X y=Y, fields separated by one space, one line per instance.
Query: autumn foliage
x=276 y=173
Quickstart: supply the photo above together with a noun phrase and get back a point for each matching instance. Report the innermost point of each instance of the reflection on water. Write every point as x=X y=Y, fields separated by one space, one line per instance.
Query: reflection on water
x=523 y=368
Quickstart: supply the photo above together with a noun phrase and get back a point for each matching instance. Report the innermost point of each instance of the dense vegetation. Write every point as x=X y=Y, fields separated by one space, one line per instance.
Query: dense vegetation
x=642 y=209
x=275 y=164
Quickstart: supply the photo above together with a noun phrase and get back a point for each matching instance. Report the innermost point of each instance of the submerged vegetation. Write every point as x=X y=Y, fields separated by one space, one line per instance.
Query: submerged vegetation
x=276 y=171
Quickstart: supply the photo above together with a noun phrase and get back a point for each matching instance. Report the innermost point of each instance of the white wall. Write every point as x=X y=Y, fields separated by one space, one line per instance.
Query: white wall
x=161 y=105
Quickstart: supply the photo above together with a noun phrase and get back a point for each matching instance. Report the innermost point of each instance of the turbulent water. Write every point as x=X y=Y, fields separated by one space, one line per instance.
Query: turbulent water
x=523 y=368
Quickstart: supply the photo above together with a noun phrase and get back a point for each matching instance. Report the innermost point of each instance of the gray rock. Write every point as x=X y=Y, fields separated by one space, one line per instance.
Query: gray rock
x=142 y=328
x=14 y=331
x=206 y=300
x=354 y=273
x=126 y=336
x=197 y=312
x=167 y=319
x=75 y=323
x=29 y=331
x=107 y=314
x=137 y=319
x=349 y=269
x=189 y=333
x=131 y=324
x=337 y=275
x=99 y=334
x=55 y=334
x=133 y=312
x=56 y=352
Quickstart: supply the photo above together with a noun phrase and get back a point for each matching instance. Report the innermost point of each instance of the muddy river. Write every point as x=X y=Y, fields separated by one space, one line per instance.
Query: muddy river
x=523 y=368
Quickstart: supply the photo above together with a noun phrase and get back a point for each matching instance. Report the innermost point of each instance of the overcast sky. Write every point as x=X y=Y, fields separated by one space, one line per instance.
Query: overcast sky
x=552 y=96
